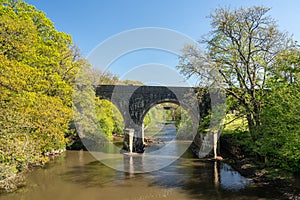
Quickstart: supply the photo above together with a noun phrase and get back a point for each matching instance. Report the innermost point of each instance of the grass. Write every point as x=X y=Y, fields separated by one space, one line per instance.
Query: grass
x=234 y=123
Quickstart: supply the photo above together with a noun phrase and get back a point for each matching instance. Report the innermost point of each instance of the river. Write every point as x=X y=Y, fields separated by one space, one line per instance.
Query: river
x=78 y=175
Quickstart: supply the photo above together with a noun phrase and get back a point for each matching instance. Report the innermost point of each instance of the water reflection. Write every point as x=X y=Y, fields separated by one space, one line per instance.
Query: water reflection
x=80 y=176
x=216 y=175
x=155 y=157
x=185 y=173
x=230 y=179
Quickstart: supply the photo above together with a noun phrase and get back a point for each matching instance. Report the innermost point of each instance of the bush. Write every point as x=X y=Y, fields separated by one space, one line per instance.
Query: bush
x=280 y=131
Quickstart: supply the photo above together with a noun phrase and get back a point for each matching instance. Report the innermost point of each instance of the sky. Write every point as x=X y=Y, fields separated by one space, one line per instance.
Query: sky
x=92 y=22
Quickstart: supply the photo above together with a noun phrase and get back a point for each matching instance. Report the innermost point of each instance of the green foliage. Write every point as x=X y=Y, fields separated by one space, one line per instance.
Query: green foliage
x=258 y=67
x=235 y=122
x=131 y=82
x=236 y=131
x=183 y=123
x=155 y=115
x=147 y=120
x=39 y=87
x=84 y=100
x=154 y=119
x=95 y=119
x=108 y=78
x=109 y=118
x=37 y=72
x=287 y=67
x=242 y=48
x=278 y=145
x=280 y=130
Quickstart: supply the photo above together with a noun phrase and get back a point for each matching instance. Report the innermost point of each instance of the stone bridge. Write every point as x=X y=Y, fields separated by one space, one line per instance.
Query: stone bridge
x=134 y=102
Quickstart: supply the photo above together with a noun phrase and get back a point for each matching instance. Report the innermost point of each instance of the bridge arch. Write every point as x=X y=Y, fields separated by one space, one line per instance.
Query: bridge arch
x=135 y=101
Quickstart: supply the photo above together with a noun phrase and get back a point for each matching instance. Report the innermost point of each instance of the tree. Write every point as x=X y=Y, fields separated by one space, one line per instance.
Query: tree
x=109 y=118
x=37 y=71
x=287 y=67
x=241 y=48
x=279 y=143
x=107 y=78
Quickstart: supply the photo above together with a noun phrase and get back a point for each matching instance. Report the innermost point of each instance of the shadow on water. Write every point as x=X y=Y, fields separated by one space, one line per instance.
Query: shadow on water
x=209 y=180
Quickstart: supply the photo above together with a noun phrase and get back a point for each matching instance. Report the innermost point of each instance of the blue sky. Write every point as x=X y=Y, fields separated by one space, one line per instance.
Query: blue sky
x=90 y=22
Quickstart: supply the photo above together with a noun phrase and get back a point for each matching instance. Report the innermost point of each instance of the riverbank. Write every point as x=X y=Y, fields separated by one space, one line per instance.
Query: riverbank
x=11 y=180
x=254 y=170
x=12 y=183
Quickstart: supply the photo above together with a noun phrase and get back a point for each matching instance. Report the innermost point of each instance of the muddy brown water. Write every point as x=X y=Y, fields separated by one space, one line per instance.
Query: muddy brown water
x=78 y=175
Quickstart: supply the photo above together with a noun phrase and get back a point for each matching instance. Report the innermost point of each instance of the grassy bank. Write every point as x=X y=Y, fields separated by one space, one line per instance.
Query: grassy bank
x=240 y=151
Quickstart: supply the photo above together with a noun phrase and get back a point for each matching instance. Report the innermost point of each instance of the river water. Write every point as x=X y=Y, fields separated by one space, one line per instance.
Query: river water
x=78 y=175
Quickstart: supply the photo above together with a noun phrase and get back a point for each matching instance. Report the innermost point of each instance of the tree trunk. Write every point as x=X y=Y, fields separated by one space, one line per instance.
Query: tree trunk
x=254 y=123
x=251 y=125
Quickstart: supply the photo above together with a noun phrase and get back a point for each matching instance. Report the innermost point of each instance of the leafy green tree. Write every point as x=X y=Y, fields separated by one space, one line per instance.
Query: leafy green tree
x=287 y=67
x=109 y=118
x=131 y=82
x=241 y=48
x=84 y=101
x=37 y=71
x=280 y=130
x=96 y=119
x=108 y=78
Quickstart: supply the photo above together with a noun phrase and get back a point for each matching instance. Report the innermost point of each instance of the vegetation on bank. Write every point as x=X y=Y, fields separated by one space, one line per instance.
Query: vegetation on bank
x=278 y=147
x=39 y=87
x=44 y=85
x=38 y=69
x=258 y=67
